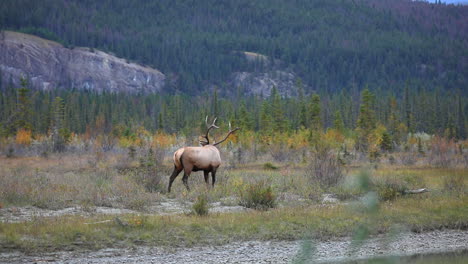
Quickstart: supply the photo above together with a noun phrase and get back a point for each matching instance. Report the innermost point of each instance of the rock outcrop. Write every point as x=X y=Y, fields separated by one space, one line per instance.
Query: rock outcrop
x=49 y=65
x=262 y=83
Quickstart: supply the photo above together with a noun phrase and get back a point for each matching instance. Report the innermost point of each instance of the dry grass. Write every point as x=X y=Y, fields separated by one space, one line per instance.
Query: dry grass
x=111 y=179
x=425 y=212
x=62 y=181
x=114 y=180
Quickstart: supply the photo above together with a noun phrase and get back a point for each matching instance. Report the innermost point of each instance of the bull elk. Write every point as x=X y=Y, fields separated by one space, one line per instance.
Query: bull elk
x=205 y=158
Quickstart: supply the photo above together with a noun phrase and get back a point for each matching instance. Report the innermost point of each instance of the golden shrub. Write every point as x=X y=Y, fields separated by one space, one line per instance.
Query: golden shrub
x=163 y=140
x=24 y=137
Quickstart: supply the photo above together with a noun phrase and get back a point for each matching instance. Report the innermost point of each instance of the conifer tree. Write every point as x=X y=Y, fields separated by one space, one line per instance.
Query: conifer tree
x=245 y=121
x=315 y=112
x=408 y=112
x=214 y=103
x=279 y=121
x=451 y=130
x=392 y=121
x=265 y=118
x=302 y=105
x=366 y=121
x=338 y=122
x=386 y=143
x=160 y=122
x=461 y=129
x=23 y=120
x=58 y=135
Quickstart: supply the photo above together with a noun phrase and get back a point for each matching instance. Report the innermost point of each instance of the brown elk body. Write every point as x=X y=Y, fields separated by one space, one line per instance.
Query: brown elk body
x=205 y=158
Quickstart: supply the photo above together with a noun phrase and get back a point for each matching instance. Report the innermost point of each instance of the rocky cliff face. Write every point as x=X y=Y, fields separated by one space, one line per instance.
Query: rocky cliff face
x=261 y=82
x=49 y=65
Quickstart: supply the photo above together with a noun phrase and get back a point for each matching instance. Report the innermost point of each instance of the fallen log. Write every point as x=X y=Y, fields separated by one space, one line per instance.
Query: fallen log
x=422 y=190
x=100 y=222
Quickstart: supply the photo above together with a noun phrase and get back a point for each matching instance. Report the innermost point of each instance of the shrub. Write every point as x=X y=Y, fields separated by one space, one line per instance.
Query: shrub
x=257 y=196
x=325 y=167
x=24 y=137
x=454 y=183
x=200 y=207
x=132 y=152
x=389 y=188
x=149 y=173
x=442 y=152
x=407 y=159
x=344 y=192
x=10 y=152
x=269 y=166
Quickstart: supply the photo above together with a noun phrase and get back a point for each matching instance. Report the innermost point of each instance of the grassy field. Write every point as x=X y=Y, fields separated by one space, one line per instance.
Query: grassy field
x=371 y=198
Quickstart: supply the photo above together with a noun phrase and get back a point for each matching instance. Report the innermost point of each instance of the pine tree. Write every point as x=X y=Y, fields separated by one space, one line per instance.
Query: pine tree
x=461 y=128
x=386 y=143
x=160 y=122
x=265 y=119
x=58 y=122
x=315 y=112
x=438 y=118
x=302 y=105
x=279 y=121
x=23 y=120
x=451 y=130
x=366 y=121
x=214 y=103
x=392 y=121
x=244 y=120
x=338 y=122
x=408 y=111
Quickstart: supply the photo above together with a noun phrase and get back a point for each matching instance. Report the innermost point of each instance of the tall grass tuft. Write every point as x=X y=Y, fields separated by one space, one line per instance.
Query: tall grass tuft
x=389 y=188
x=454 y=183
x=258 y=196
x=200 y=207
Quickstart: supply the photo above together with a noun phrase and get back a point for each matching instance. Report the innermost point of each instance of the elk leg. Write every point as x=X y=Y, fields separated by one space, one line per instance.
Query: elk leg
x=205 y=173
x=213 y=177
x=187 y=171
x=174 y=175
x=185 y=180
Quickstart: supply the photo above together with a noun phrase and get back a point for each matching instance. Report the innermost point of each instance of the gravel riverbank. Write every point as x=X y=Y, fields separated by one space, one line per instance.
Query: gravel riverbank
x=404 y=244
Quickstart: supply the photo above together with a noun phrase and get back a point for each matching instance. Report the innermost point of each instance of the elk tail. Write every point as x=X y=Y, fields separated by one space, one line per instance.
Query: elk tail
x=180 y=160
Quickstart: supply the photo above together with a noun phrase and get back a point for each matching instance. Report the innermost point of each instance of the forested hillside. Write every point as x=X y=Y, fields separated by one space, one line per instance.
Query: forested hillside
x=411 y=56
x=331 y=45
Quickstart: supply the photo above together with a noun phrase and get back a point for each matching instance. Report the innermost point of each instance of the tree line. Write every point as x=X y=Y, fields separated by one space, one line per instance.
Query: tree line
x=357 y=114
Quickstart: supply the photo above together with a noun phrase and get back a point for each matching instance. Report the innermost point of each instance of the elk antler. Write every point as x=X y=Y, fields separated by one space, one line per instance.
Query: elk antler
x=209 y=127
x=229 y=133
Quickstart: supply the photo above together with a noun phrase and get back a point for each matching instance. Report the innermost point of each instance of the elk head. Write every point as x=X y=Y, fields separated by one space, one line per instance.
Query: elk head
x=205 y=158
x=205 y=139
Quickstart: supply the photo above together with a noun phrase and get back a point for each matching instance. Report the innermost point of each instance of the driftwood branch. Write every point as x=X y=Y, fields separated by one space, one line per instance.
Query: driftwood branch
x=422 y=190
x=100 y=222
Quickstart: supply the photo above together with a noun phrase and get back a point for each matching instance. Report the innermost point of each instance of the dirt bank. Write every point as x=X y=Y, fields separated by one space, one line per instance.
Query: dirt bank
x=404 y=244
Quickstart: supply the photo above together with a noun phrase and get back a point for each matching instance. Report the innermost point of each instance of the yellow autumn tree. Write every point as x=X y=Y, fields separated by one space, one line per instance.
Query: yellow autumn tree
x=24 y=137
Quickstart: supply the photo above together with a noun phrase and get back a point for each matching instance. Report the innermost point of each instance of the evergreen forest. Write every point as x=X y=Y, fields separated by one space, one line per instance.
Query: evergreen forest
x=405 y=62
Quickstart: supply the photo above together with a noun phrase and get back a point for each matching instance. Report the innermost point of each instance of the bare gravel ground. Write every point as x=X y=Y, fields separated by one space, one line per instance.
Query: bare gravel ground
x=404 y=244
x=169 y=206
